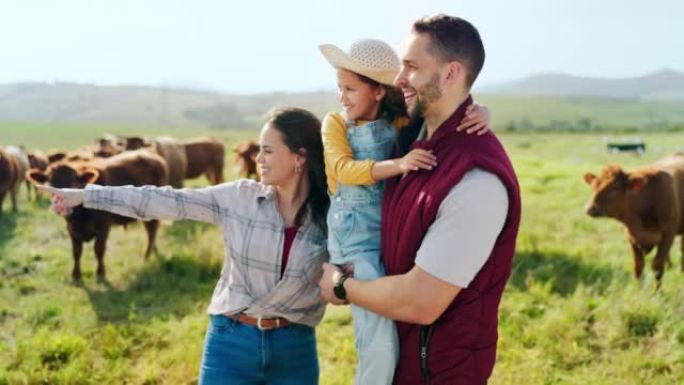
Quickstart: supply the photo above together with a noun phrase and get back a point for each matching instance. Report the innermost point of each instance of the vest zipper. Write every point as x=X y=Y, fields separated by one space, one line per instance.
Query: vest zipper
x=425 y=335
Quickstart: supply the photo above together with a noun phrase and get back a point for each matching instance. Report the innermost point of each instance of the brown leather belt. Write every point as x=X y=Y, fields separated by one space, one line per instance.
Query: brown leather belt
x=261 y=323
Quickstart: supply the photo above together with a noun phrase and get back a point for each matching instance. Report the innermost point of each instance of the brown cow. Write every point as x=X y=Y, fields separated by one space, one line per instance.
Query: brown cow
x=205 y=156
x=8 y=178
x=81 y=154
x=104 y=149
x=39 y=161
x=170 y=149
x=245 y=159
x=173 y=152
x=21 y=163
x=649 y=201
x=55 y=156
x=136 y=168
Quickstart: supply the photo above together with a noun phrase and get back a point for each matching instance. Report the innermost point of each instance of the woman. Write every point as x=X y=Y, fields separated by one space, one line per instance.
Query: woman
x=266 y=303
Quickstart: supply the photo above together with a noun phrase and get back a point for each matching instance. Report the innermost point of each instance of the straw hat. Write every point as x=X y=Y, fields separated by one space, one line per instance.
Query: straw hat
x=371 y=58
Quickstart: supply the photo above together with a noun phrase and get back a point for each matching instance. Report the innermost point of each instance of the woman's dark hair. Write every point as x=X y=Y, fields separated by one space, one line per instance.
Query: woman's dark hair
x=393 y=104
x=302 y=130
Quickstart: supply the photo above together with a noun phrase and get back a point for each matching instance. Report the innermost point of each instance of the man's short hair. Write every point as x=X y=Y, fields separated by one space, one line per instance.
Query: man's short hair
x=454 y=39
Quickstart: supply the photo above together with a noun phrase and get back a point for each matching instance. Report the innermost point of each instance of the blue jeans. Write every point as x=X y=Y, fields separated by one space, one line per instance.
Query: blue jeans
x=354 y=238
x=237 y=354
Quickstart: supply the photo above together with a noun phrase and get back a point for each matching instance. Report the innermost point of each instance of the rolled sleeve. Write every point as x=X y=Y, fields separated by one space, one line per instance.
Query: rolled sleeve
x=152 y=202
x=468 y=222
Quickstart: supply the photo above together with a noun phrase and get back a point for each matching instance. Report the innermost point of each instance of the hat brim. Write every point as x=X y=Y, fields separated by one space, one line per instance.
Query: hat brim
x=339 y=59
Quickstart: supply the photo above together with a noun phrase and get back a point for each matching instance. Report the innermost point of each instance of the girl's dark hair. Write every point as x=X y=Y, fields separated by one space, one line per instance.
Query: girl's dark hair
x=302 y=130
x=393 y=104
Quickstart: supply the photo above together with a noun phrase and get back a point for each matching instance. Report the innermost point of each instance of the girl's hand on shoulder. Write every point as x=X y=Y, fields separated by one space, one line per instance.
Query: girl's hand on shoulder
x=477 y=120
x=417 y=159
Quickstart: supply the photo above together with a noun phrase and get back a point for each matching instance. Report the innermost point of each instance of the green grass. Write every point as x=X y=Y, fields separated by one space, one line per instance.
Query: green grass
x=572 y=312
x=582 y=113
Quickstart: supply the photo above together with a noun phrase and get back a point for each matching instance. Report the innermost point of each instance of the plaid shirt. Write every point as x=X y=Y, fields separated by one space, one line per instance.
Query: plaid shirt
x=253 y=235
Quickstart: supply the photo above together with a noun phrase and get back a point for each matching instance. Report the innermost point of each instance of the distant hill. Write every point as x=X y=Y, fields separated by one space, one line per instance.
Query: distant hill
x=543 y=101
x=662 y=85
x=146 y=106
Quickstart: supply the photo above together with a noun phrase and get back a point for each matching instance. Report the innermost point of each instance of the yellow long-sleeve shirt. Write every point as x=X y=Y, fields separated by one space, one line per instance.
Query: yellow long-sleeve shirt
x=340 y=164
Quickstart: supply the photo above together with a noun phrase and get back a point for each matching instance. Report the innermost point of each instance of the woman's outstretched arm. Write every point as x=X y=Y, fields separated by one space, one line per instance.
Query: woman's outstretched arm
x=145 y=202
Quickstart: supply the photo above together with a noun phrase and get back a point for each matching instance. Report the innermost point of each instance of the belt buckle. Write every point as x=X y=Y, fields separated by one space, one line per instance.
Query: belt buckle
x=260 y=327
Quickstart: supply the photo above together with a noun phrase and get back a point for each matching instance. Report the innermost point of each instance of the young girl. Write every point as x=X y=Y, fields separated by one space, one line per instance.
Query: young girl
x=358 y=143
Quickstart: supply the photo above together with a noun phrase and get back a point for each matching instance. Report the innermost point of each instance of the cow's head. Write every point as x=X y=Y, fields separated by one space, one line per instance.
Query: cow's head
x=611 y=190
x=109 y=145
x=136 y=142
x=64 y=175
x=114 y=141
x=246 y=150
x=56 y=156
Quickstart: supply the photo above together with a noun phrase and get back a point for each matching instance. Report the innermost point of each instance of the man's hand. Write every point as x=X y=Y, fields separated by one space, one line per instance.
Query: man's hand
x=331 y=274
x=63 y=199
x=477 y=120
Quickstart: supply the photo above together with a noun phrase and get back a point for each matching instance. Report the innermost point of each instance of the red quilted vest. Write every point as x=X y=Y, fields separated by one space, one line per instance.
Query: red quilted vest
x=460 y=347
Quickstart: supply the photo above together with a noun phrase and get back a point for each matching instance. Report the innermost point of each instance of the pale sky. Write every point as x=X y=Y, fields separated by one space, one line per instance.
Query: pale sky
x=260 y=46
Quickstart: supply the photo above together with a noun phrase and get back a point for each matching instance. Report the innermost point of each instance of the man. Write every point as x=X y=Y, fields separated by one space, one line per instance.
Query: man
x=448 y=234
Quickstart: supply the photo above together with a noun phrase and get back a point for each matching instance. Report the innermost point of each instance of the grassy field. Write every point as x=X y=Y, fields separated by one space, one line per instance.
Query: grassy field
x=572 y=312
x=581 y=113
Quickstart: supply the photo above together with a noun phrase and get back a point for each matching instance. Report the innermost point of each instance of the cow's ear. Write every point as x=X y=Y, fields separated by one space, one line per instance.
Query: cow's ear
x=636 y=182
x=56 y=157
x=36 y=176
x=89 y=176
x=589 y=178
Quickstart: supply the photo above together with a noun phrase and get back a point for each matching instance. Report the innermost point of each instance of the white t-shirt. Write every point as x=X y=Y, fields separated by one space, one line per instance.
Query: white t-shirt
x=468 y=222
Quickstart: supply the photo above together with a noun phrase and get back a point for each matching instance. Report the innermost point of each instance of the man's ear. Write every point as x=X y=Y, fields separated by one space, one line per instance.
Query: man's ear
x=589 y=178
x=636 y=182
x=453 y=71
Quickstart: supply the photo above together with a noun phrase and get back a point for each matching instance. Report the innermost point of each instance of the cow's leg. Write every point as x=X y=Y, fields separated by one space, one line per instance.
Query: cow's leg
x=2 y=199
x=215 y=173
x=14 y=194
x=151 y=228
x=100 y=249
x=28 y=190
x=638 y=254
x=218 y=172
x=212 y=176
x=77 y=251
x=662 y=256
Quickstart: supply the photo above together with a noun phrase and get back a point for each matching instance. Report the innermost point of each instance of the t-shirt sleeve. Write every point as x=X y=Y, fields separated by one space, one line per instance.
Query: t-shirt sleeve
x=468 y=222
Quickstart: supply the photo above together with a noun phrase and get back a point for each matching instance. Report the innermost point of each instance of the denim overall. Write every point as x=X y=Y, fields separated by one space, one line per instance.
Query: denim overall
x=354 y=238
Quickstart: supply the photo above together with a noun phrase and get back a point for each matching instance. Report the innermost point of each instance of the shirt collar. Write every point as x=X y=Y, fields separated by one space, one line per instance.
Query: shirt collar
x=268 y=192
x=422 y=134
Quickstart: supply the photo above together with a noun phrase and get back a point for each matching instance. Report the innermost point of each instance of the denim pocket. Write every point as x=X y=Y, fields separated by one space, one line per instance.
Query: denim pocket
x=342 y=224
x=222 y=324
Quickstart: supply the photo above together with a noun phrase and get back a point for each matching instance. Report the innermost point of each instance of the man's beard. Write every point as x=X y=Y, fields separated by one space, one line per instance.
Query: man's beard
x=424 y=97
